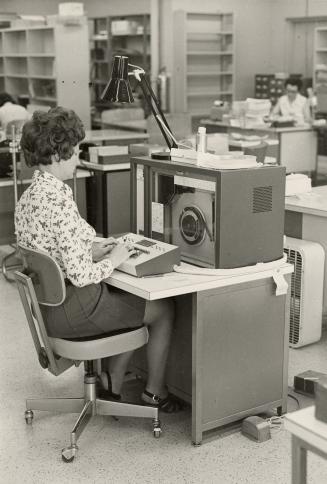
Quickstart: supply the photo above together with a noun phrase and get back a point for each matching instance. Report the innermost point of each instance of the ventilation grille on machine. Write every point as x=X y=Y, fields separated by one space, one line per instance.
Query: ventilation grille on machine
x=294 y=257
x=262 y=199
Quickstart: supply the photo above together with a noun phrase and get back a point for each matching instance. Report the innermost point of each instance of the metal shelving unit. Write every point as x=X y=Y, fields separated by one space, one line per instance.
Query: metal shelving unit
x=46 y=64
x=203 y=60
x=112 y=35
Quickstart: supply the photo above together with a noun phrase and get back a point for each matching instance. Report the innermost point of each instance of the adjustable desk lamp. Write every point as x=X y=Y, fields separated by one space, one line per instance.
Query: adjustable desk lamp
x=118 y=90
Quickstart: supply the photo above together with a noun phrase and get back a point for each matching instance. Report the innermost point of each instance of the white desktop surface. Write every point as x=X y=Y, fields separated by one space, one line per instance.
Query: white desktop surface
x=266 y=128
x=175 y=284
x=7 y=182
x=93 y=136
x=250 y=144
x=304 y=425
x=107 y=167
x=314 y=202
x=133 y=125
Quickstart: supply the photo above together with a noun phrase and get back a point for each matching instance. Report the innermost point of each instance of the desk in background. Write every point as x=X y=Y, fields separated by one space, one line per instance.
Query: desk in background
x=306 y=218
x=108 y=197
x=108 y=190
x=113 y=137
x=229 y=350
x=297 y=146
x=135 y=125
x=7 y=229
x=308 y=433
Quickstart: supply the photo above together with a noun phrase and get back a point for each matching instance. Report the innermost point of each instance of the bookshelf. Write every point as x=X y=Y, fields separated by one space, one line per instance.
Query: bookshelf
x=320 y=68
x=49 y=64
x=128 y=35
x=203 y=68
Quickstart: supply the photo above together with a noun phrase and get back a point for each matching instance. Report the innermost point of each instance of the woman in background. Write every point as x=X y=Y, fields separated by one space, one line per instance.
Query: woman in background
x=47 y=219
x=10 y=111
x=292 y=104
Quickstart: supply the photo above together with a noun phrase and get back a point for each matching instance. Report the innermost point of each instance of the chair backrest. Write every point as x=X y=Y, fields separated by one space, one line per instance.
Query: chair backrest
x=259 y=151
x=48 y=279
x=41 y=282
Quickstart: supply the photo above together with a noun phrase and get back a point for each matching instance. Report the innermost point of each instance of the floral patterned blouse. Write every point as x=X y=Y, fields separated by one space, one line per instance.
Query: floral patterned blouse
x=47 y=218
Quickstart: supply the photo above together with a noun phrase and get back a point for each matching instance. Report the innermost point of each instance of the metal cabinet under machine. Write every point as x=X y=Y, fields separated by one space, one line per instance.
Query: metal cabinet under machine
x=219 y=218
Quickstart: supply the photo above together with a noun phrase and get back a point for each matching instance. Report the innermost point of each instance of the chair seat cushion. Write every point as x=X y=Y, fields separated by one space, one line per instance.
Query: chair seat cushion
x=93 y=349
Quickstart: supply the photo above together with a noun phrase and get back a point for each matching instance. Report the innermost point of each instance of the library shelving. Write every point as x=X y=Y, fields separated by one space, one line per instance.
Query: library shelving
x=203 y=68
x=116 y=35
x=48 y=64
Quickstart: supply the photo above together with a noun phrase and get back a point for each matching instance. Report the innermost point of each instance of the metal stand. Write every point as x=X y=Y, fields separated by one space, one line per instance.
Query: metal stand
x=14 y=149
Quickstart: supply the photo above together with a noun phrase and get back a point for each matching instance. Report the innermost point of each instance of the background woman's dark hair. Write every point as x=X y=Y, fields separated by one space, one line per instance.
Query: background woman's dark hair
x=294 y=81
x=6 y=98
x=52 y=133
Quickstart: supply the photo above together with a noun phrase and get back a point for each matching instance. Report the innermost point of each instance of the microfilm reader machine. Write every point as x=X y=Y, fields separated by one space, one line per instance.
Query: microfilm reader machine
x=151 y=256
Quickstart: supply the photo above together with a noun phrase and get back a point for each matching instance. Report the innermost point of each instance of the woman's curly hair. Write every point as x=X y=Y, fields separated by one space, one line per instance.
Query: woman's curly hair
x=51 y=134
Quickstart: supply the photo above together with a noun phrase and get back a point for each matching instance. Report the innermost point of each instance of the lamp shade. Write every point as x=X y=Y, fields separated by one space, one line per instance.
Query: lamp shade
x=118 y=88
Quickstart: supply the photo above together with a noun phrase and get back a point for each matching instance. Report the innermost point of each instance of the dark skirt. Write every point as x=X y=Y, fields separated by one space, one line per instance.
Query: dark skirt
x=93 y=310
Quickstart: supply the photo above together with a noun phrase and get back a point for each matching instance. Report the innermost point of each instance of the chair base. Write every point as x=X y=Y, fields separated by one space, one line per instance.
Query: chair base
x=88 y=407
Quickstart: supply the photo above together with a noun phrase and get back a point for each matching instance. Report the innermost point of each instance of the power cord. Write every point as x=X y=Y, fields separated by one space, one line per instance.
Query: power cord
x=276 y=423
x=294 y=398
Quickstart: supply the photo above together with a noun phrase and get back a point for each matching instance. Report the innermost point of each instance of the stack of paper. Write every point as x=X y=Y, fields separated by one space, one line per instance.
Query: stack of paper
x=227 y=162
x=297 y=183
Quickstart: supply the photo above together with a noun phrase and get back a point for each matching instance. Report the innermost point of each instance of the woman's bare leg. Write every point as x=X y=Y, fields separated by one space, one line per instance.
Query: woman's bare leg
x=159 y=316
x=117 y=366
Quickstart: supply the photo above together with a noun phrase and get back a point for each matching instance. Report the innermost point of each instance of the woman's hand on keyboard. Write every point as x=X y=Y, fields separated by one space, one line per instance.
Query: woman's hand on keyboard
x=120 y=253
x=101 y=249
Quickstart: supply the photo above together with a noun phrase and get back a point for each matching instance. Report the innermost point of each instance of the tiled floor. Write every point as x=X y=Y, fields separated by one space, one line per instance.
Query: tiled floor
x=124 y=451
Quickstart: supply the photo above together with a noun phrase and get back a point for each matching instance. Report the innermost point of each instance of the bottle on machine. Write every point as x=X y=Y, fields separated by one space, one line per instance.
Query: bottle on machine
x=201 y=139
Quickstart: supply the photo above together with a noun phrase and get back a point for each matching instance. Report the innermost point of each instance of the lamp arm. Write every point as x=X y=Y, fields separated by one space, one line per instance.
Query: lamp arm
x=162 y=116
x=153 y=103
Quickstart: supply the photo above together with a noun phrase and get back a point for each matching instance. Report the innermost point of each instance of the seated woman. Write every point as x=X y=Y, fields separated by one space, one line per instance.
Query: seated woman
x=47 y=219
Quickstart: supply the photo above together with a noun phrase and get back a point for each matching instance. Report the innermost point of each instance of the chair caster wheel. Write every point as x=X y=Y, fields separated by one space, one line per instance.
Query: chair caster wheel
x=29 y=415
x=157 y=432
x=156 y=428
x=68 y=453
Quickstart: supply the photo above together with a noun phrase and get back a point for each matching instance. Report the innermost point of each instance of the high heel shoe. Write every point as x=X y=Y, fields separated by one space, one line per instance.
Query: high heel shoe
x=168 y=404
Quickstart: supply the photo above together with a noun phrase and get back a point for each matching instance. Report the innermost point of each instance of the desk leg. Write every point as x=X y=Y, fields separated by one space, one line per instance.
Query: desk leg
x=299 y=462
x=197 y=335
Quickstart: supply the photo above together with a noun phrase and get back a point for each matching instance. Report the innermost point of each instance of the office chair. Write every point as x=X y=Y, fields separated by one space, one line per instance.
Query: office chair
x=42 y=283
x=259 y=151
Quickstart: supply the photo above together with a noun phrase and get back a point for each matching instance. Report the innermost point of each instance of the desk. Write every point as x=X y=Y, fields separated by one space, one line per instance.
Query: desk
x=108 y=197
x=297 y=146
x=113 y=137
x=112 y=182
x=306 y=218
x=308 y=433
x=137 y=125
x=7 y=203
x=229 y=351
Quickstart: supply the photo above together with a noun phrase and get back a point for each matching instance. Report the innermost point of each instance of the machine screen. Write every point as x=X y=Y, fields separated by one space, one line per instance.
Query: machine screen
x=146 y=243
